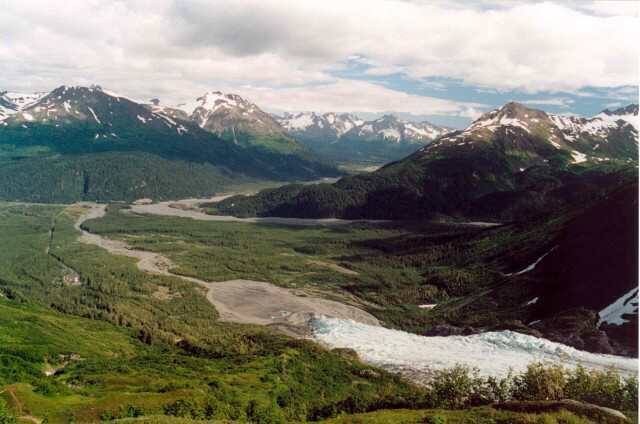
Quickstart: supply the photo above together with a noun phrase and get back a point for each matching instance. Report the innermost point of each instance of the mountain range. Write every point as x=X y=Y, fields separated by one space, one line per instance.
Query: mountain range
x=65 y=145
x=511 y=161
x=340 y=136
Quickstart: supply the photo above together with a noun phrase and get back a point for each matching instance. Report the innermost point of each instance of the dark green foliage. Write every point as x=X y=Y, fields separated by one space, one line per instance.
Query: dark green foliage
x=462 y=387
x=5 y=416
x=107 y=176
x=510 y=176
x=435 y=419
x=186 y=408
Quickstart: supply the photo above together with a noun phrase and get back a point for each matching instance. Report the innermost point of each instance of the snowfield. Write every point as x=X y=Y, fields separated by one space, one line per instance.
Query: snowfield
x=625 y=305
x=494 y=353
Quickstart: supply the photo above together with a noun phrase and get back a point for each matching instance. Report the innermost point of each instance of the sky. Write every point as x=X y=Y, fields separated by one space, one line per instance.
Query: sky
x=443 y=61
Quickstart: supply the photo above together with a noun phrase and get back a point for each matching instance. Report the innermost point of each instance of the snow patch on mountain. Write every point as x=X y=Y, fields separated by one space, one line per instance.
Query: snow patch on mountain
x=23 y=100
x=600 y=125
x=335 y=124
x=533 y=265
x=391 y=133
x=497 y=120
x=298 y=122
x=94 y=115
x=219 y=112
x=578 y=157
x=614 y=314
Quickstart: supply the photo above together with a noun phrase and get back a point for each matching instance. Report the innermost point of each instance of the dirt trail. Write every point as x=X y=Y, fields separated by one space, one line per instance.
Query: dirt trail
x=242 y=301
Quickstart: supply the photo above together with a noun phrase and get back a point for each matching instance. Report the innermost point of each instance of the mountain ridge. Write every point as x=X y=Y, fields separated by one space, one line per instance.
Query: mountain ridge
x=504 y=163
x=64 y=128
x=344 y=135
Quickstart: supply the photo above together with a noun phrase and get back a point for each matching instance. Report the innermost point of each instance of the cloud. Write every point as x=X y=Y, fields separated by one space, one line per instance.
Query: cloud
x=628 y=93
x=613 y=105
x=561 y=102
x=177 y=49
x=356 y=96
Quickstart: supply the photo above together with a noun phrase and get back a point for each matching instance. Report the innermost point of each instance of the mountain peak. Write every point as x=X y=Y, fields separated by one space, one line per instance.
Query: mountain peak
x=328 y=125
x=109 y=113
x=388 y=117
x=219 y=112
x=631 y=109
x=512 y=114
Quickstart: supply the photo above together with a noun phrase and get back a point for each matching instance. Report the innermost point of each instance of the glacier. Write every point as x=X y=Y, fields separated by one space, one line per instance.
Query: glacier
x=492 y=353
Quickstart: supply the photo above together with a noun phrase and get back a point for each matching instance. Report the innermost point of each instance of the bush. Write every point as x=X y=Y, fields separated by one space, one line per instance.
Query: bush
x=265 y=413
x=131 y=411
x=461 y=387
x=602 y=388
x=541 y=382
x=5 y=417
x=435 y=419
x=184 y=408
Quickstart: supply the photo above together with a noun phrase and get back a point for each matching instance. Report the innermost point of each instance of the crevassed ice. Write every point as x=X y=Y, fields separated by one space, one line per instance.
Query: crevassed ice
x=493 y=353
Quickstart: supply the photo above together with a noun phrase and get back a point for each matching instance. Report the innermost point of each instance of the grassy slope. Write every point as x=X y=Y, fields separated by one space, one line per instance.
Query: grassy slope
x=224 y=364
x=483 y=415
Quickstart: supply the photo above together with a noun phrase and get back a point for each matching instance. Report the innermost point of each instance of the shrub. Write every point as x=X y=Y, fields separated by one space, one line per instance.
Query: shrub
x=461 y=387
x=5 y=417
x=265 y=413
x=435 y=419
x=602 y=388
x=130 y=411
x=541 y=382
x=185 y=408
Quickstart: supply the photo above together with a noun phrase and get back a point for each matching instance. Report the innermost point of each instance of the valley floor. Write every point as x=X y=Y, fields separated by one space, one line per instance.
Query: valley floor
x=162 y=324
x=300 y=312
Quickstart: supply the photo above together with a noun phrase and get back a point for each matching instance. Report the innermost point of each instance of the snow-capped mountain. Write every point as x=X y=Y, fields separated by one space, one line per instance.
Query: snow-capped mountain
x=154 y=105
x=7 y=108
x=220 y=113
x=608 y=135
x=79 y=143
x=600 y=125
x=20 y=100
x=105 y=110
x=330 y=125
x=392 y=129
x=334 y=126
x=345 y=137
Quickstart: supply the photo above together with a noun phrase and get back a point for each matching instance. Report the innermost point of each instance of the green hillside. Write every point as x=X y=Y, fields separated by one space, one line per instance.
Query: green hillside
x=62 y=148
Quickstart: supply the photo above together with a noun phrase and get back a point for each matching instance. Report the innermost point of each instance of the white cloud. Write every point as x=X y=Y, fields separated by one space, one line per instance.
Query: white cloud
x=355 y=96
x=561 y=102
x=176 y=49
